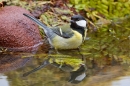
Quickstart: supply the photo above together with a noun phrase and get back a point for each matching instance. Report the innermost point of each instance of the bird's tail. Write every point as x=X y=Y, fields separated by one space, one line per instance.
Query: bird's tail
x=44 y=64
x=49 y=33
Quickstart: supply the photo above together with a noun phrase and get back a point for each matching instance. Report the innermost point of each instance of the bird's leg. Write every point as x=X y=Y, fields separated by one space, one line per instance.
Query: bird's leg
x=51 y=51
x=80 y=53
x=57 y=52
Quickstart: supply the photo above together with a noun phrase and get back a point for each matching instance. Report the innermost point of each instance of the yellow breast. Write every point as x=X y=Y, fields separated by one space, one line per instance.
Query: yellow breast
x=67 y=43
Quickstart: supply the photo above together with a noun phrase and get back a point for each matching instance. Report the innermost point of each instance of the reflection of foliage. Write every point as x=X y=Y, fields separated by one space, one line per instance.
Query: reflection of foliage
x=72 y=62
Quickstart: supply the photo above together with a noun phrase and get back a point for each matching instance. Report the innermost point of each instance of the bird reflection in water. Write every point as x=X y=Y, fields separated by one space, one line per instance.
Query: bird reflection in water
x=75 y=66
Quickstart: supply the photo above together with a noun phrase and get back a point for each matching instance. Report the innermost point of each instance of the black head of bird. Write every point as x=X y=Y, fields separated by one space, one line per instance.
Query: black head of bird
x=77 y=21
x=68 y=38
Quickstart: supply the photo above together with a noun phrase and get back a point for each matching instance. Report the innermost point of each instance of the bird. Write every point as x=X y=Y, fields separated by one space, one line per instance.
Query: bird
x=69 y=36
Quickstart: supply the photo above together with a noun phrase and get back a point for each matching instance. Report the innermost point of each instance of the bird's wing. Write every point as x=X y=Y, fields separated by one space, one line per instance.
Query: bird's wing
x=49 y=33
x=64 y=32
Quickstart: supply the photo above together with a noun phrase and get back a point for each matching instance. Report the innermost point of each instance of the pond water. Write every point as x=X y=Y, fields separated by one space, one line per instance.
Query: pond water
x=123 y=81
x=102 y=58
x=4 y=81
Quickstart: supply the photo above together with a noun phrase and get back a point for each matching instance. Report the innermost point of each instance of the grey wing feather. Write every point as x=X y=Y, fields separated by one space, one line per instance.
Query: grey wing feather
x=49 y=33
x=65 y=33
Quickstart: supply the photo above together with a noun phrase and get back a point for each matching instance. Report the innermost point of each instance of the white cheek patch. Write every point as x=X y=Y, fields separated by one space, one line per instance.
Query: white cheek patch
x=81 y=23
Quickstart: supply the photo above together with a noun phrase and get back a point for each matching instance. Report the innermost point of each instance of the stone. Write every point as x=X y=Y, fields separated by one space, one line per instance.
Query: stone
x=17 y=32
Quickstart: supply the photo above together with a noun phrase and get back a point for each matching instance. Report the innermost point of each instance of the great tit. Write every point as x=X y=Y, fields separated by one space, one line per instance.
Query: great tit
x=69 y=38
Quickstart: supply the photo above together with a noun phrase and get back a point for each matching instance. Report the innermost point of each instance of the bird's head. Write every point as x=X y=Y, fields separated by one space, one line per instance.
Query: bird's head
x=78 y=21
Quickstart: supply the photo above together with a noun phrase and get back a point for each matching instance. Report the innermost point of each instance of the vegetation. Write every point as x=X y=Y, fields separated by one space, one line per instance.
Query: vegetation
x=103 y=8
x=111 y=17
x=108 y=24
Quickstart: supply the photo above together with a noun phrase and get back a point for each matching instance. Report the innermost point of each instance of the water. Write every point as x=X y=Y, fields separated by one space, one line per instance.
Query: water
x=123 y=81
x=3 y=80
x=105 y=54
